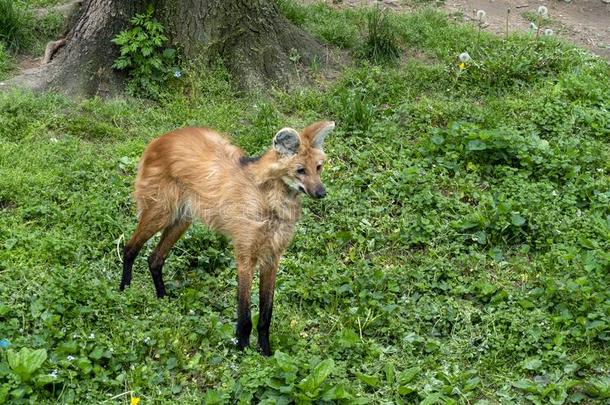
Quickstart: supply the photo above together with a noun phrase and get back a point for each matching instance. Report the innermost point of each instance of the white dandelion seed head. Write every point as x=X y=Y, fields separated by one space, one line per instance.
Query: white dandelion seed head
x=543 y=11
x=464 y=57
x=548 y=32
x=533 y=26
x=481 y=14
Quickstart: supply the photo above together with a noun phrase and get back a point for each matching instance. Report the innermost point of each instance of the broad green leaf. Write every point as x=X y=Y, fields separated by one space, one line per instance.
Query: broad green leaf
x=475 y=144
x=532 y=363
x=525 y=385
x=480 y=237
x=527 y=304
x=370 y=380
x=213 y=397
x=390 y=373
x=335 y=393
x=84 y=365
x=43 y=379
x=317 y=376
x=471 y=384
x=433 y=398
x=586 y=243
x=405 y=390
x=285 y=362
x=437 y=139
x=25 y=362
x=408 y=375
x=517 y=219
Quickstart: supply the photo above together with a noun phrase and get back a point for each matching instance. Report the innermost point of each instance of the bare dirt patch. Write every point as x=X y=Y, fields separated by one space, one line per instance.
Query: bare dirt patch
x=584 y=22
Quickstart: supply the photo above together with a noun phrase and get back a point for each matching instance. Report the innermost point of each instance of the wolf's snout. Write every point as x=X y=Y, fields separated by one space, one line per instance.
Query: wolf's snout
x=319 y=192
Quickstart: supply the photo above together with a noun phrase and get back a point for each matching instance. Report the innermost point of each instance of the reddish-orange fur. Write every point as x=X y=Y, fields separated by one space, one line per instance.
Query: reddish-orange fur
x=195 y=173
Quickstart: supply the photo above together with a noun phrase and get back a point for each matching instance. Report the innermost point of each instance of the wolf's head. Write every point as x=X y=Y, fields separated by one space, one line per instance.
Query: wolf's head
x=302 y=157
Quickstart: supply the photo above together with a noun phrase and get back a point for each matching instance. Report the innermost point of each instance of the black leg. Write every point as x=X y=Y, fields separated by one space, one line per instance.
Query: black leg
x=129 y=256
x=266 y=290
x=245 y=269
x=157 y=259
x=155 y=265
x=264 y=322
x=244 y=325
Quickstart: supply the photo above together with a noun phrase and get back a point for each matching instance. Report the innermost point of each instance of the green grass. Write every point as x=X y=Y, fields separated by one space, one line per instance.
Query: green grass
x=461 y=255
x=21 y=32
x=15 y=23
x=44 y=3
x=5 y=62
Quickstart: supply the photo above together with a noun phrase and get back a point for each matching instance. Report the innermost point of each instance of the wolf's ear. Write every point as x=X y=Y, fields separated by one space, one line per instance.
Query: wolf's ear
x=286 y=142
x=319 y=136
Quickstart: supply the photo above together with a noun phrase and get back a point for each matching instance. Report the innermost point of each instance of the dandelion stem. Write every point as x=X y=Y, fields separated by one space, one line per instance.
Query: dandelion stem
x=507 y=16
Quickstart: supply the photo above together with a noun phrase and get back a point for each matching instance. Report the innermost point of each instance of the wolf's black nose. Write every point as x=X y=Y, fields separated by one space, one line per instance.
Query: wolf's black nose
x=320 y=192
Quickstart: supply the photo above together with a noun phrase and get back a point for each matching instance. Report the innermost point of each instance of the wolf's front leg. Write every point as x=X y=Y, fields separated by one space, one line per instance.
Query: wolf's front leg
x=245 y=272
x=268 y=270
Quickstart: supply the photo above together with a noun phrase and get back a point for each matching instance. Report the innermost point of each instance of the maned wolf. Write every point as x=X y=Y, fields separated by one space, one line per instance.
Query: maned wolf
x=195 y=173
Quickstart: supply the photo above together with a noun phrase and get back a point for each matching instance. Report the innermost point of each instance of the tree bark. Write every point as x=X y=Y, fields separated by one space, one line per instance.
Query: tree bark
x=256 y=43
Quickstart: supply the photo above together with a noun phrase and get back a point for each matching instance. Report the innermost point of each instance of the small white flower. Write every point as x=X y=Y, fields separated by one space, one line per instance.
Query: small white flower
x=543 y=11
x=191 y=312
x=53 y=374
x=578 y=213
x=92 y=336
x=70 y=358
x=54 y=140
x=548 y=32
x=533 y=26
x=146 y=340
x=554 y=193
x=481 y=14
x=464 y=57
x=177 y=74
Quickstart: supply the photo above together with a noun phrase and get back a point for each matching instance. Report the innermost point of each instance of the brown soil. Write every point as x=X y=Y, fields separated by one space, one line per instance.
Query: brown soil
x=584 y=22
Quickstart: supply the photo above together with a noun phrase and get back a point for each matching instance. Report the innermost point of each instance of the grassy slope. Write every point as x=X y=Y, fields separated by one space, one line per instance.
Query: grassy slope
x=460 y=255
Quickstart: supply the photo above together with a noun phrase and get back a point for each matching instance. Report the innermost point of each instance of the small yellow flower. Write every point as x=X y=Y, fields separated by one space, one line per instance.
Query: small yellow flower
x=462 y=66
x=135 y=401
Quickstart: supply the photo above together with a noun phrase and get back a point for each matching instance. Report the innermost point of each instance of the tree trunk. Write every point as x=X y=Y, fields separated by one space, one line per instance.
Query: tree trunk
x=257 y=44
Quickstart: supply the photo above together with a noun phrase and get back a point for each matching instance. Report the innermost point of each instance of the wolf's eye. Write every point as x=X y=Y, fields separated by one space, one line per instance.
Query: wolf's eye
x=319 y=167
x=301 y=171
